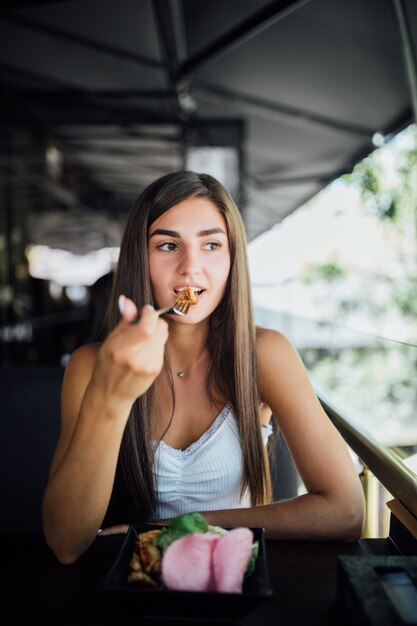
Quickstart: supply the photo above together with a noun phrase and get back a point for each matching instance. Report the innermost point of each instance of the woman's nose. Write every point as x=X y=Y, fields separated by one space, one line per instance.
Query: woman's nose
x=190 y=262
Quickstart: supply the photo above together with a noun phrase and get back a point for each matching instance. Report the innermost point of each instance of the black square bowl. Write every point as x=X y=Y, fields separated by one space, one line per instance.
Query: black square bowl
x=199 y=605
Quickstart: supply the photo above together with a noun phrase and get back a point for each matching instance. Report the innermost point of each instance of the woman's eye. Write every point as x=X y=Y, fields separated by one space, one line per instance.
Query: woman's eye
x=169 y=246
x=212 y=245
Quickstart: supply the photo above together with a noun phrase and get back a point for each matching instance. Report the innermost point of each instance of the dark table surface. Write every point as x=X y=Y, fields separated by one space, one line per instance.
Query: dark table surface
x=36 y=589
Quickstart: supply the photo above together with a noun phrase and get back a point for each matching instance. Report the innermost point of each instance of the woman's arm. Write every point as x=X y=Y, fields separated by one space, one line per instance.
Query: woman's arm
x=333 y=507
x=99 y=388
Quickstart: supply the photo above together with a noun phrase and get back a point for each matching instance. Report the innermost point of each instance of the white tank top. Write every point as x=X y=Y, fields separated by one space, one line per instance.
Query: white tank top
x=205 y=476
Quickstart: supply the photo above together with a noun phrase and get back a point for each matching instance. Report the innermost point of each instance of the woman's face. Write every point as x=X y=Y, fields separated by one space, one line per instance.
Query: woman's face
x=188 y=247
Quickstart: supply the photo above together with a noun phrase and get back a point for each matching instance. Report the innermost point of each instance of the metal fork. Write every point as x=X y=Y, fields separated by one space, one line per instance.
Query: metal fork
x=179 y=308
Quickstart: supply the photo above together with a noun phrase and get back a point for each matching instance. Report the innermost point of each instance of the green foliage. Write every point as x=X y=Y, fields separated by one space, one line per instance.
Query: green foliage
x=368 y=176
x=365 y=175
x=388 y=188
x=376 y=383
x=373 y=385
x=324 y=271
x=405 y=297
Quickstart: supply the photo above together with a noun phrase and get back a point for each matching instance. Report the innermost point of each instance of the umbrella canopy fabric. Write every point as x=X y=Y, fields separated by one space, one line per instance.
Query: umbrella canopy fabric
x=296 y=89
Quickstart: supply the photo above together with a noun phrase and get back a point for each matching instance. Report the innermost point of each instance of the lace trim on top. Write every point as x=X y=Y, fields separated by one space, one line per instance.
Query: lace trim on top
x=191 y=449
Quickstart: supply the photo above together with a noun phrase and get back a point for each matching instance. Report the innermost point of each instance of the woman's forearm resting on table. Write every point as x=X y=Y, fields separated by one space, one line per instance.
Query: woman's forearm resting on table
x=309 y=517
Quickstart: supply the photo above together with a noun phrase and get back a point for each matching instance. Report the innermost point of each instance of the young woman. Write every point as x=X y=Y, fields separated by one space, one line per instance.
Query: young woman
x=169 y=416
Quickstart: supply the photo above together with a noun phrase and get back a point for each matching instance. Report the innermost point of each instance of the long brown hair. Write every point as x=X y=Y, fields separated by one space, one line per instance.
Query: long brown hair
x=232 y=346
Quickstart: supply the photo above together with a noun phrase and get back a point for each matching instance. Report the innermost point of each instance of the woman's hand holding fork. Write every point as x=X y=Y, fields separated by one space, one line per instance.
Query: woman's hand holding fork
x=132 y=356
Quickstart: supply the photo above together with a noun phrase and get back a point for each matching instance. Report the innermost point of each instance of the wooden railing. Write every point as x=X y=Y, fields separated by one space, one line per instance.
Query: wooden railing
x=387 y=466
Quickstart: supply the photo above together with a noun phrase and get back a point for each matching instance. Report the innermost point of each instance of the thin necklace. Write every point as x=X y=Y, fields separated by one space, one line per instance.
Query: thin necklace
x=184 y=373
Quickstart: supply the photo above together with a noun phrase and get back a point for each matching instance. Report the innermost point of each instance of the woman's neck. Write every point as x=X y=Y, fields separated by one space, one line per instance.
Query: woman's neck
x=186 y=346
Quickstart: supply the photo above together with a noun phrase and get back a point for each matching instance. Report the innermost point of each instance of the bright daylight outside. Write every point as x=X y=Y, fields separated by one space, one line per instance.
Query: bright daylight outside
x=338 y=277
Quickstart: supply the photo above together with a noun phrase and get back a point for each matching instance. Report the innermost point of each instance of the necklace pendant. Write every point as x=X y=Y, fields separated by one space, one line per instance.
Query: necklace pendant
x=181 y=374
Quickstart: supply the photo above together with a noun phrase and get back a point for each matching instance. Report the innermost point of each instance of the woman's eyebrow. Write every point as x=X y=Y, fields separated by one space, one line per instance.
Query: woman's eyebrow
x=211 y=231
x=174 y=233
x=166 y=233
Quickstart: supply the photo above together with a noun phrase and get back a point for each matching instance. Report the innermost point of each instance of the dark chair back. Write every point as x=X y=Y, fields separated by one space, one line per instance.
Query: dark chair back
x=285 y=479
x=30 y=422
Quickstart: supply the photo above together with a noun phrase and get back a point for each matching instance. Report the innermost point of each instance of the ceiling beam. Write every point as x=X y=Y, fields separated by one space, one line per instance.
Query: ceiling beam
x=130 y=138
x=13 y=70
x=249 y=28
x=179 y=28
x=270 y=181
x=23 y=4
x=32 y=115
x=167 y=39
x=104 y=151
x=408 y=51
x=268 y=108
x=91 y=44
x=64 y=94
x=63 y=97
x=167 y=19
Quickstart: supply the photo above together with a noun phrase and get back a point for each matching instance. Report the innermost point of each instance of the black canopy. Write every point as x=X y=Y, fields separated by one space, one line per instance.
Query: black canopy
x=126 y=88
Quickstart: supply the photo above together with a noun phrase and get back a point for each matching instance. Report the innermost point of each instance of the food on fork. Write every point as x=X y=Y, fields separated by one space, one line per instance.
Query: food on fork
x=189 y=555
x=189 y=295
x=186 y=297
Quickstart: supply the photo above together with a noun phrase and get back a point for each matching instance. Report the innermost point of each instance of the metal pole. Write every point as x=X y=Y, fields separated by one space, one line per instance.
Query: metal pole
x=371 y=492
x=408 y=50
x=242 y=32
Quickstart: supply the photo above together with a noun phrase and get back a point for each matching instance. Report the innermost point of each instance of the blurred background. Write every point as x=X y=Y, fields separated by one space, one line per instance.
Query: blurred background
x=304 y=109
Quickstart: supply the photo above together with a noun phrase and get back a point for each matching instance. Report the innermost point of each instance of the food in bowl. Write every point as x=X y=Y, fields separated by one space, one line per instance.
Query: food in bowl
x=190 y=555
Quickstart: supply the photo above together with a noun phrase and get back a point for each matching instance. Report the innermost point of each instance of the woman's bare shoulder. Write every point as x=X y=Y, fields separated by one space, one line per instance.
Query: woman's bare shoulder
x=79 y=369
x=77 y=376
x=82 y=360
x=270 y=341
x=85 y=353
x=277 y=360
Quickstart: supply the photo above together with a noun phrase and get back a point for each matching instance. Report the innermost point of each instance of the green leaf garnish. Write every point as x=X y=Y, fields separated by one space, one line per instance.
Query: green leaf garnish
x=180 y=526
